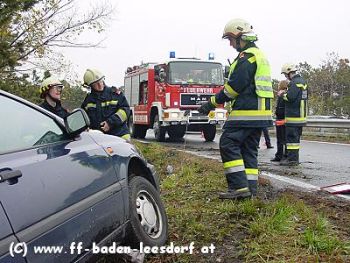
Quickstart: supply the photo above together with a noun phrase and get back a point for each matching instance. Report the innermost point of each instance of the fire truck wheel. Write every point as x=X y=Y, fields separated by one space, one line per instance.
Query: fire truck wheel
x=132 y=127
x=159 y=131
x=142 y=130
x=209 y=132
x=177 y=132
x=137 y=131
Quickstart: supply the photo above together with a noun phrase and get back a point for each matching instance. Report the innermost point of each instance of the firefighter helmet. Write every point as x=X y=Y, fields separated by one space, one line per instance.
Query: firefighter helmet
x=239 y=28
x=49 y=83
x=91 y=76
x=288 y=68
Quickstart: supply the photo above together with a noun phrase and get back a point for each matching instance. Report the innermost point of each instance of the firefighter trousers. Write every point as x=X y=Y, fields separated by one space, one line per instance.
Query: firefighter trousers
x=293 y=134
x=239 y=154
x=281 y=142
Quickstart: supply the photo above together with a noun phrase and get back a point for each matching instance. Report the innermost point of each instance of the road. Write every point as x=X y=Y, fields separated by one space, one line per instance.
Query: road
x=322 y=163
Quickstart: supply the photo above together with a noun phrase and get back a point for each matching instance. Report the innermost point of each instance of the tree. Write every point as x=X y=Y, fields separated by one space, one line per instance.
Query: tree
x=31 y=28
x=72 y=96
x=10 y=14
x=329 y=86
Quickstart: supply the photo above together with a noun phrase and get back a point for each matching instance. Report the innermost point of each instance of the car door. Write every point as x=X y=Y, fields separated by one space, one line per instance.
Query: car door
x=7 y=240
x=62 y=190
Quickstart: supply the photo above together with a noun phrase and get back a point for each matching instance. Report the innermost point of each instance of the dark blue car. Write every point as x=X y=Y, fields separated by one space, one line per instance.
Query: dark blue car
x=61 y=185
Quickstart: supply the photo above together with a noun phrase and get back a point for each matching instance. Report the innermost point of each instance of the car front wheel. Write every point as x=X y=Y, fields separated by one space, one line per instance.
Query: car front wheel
x=149 y=223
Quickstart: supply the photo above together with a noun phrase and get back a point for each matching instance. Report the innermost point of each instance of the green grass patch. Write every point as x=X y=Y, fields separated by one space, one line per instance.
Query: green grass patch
x=282 y=229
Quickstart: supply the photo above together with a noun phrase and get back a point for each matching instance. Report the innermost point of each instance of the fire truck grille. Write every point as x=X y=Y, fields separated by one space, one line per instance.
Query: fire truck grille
x=192 y=99
x=195 y=114
x=197 y=120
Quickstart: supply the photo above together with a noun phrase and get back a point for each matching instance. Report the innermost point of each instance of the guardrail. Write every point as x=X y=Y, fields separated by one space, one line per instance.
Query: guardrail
x=328 y=123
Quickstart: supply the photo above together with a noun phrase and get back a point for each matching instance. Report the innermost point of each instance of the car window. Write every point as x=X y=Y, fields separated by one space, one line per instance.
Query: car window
x=24 y=127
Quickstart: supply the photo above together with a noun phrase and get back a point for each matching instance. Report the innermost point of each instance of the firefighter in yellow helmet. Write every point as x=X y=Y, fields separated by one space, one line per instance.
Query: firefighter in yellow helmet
x=50 y=90
x=108 y=111
x=295 y=99
x=249 y=88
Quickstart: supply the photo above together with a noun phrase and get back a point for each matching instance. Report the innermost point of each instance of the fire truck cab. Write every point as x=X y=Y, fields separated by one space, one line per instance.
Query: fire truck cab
x=165 y=97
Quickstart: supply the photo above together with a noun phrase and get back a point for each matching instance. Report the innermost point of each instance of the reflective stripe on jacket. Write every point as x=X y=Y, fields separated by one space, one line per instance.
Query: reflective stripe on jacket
x=296 y=102
x=108 y=106
x=247 y=108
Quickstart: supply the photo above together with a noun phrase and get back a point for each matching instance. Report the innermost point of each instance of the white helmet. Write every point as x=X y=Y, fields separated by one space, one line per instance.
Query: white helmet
x=288 y=68
x=91 y=76
x=49 y=83
x=239 y=28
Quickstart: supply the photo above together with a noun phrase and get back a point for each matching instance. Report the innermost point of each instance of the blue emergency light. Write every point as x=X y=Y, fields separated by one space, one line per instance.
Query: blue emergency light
x=172 y=54
x=211 y=56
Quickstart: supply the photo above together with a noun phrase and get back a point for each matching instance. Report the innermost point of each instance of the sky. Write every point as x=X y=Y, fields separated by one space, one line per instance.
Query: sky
x=146 y=31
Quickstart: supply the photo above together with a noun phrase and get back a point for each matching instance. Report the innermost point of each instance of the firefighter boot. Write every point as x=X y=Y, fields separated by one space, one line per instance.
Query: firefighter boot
x=253 y=187
x=287 y=162
x=238 y=194
x=276 y=159
x=269 y=146
x=292 y=158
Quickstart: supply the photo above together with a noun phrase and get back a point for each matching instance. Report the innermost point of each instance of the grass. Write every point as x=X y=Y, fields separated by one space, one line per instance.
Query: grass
x=282 y=229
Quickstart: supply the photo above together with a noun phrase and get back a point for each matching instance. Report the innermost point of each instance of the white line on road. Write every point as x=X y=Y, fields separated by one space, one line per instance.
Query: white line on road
x=290 y=181
x=297 y=183
x=334 y=143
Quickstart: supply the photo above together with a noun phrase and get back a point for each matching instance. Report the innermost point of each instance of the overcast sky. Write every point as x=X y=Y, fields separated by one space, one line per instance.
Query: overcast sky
x=288 y=31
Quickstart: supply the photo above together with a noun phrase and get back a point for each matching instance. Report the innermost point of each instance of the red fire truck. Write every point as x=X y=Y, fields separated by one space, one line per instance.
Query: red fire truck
x=166 y=96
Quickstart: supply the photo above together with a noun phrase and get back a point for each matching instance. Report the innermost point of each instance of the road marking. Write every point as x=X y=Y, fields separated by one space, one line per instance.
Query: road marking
x=290 y=181
x=334 y=143
x=298 y=183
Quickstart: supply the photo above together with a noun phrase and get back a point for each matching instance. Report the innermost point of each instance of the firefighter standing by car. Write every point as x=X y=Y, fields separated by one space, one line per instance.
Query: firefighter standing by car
x=280 y=123
x=108 y=111
x=50 y=90
x=249 y=86
x=295 y=112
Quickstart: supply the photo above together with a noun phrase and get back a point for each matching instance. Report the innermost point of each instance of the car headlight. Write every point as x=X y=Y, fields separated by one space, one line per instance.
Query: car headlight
x=220 y=115
x=174 y=115
x=212 y=114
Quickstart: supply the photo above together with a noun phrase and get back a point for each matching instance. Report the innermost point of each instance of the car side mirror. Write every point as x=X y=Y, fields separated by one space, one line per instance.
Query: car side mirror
x=76 y=122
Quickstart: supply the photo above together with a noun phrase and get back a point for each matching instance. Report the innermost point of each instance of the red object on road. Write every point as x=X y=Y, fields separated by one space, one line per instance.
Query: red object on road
x=341 y=188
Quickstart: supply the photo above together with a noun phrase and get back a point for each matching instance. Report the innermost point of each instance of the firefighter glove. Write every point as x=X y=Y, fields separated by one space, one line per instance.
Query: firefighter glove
x=205 y=108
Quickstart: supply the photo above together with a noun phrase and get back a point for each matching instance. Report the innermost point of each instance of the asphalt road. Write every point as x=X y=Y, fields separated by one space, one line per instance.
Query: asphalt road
x=322 y=164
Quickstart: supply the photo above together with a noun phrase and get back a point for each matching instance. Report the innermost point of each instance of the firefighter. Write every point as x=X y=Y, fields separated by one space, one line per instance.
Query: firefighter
x=108 y=111
x=267 y=138
x=280 y=127
x=50 y=90
x=295 y=99
x=249 y=88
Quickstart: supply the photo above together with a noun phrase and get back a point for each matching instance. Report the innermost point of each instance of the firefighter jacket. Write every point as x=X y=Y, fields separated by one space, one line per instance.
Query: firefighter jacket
x=296 y=102
x=58 y=109
x=249 y=89
x=280 y=108
x=108 y=106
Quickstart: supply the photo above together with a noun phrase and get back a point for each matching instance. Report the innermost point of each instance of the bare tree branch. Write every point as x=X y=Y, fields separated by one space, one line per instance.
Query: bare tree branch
x=55 y=24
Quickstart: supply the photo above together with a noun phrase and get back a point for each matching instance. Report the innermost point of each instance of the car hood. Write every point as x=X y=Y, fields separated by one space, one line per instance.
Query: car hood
x=113 y=144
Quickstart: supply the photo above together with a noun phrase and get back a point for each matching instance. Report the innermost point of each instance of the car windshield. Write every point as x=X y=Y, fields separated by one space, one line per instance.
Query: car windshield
x=195 y=72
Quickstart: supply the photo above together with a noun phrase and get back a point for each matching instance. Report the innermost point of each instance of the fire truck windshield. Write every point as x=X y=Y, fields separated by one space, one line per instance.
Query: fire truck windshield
x=195 y=72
